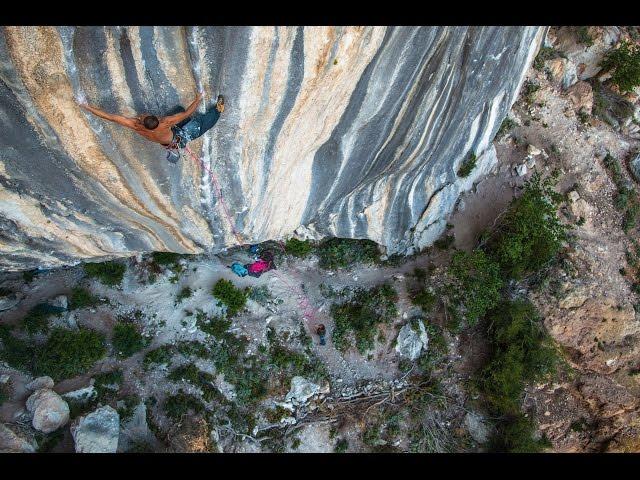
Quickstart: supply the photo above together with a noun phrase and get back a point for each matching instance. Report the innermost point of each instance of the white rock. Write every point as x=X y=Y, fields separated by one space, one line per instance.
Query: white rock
x=574 y=196
x=412 y=338
x=4 y=379
x=533 y=150
x=521 y=170
x=40 y=382
x=81 y=395
x=477 y=428
x=97 y=432
x=301 y=390
x=59 y=301
x=49 y=410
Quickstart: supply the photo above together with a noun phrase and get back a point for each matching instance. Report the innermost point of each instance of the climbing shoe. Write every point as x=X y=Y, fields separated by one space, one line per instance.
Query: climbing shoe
x=220 y=104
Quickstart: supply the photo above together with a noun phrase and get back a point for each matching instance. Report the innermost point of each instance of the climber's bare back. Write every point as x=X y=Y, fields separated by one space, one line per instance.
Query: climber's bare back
x=157 y=130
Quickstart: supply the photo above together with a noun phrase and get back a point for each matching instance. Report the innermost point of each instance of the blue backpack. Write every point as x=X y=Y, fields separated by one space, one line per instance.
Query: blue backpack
x=239 y=269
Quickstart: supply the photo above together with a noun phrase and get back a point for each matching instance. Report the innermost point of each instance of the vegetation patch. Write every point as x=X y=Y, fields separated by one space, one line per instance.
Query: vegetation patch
x=216 y=326
x=180 y=404
x=530 y=233
x=476 y=284
x=337 y=253
x=506 y=127
x=37 y=320
x=68 y=353
x=626 y=198
x=468 y=164
x=159 y=356
x=230 y=296
x=358 y=318
x=127 y=339
x=298 y=248
x=82 y=298
x=544 y=54
x=521 y=352
x=624 y=65
x=183 y=294
x=108 y=273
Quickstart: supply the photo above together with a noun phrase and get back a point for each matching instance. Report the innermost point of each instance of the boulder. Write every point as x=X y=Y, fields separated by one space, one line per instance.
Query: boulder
x=59 y=302
x=301 y=390
x=521 y=170
x=412 y=338
x=9 y=301
x=581 y=95
x=634 y=167
x=49 y=410
x=4 y=379
x=477 y=427
x=533 y=151
x=97 y=432
x=556 y=67
x=39 y=383
x=11 y=442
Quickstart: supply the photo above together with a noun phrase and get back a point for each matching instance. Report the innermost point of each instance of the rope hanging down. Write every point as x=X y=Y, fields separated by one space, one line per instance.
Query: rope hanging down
x=308 y=311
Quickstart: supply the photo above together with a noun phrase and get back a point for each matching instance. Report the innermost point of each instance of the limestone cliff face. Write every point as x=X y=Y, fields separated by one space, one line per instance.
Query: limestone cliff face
x=345 y=131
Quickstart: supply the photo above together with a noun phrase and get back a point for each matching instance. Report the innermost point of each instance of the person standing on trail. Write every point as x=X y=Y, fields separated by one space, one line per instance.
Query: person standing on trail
x=321 y=331
x=165 y=130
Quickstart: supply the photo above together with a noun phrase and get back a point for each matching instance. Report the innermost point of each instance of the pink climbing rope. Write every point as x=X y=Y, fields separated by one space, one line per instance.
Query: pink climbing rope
x=308 y=311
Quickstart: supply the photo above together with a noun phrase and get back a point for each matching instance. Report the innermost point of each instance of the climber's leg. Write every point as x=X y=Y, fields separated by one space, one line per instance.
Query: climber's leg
x=208 y=120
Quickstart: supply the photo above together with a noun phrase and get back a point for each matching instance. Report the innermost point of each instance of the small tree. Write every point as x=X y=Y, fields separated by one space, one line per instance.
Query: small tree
x=230 y=296
x=625 y=63
x=127 y=339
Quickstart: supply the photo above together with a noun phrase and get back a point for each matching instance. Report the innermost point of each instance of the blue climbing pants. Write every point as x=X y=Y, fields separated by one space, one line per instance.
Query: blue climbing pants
x=197 y=126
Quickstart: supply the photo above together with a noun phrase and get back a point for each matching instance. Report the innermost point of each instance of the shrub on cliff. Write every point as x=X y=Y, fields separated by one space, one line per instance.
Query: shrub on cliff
x=358 y=318
x=127 y=340
x=230 y=296
x=530 y=234
x=467 y=165
x=82 y=298
x=624 y=62
x=476 y=284
x=337 y=253
x=108 y=273
x=68 y=353
x=521 y=352
x=298 y=248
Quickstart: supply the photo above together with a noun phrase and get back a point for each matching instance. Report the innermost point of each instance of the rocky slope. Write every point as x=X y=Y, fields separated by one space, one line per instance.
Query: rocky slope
x=354 y=132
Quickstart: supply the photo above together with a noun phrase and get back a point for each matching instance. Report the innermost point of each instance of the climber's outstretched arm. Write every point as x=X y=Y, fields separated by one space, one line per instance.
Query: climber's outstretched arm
x=125 y=121
x=178 y=117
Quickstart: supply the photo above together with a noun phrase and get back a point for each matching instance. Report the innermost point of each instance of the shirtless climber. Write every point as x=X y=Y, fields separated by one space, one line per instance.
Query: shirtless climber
x=165 y=130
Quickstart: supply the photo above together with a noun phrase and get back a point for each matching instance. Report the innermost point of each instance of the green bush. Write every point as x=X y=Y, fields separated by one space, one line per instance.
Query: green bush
x=467 y=165
x=82 y=298
x=127 y=340
x=521 y=352
x=68 y=353
x=584 y=36
x=505 y=127
x=159 y=356
x=186 y=292
x=530 y=234
x=15 y=352
x=342 y=445
x=445 y=242
x=545 y=53
x=360 y=316
x=37 y=320
x=178 y=405
x=477 y=283
x=216 y=326
x=517 y=435
x=423 y=299
x=625 y=63
x=626 y=199
x=337 y=253
x=298 y=248
x=108 y=273
x=5 y=393
x=230 y=296
x=166 y=258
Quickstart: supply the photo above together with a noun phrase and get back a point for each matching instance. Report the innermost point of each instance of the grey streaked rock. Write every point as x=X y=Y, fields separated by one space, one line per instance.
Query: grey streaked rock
x=412 y=339
x=346 y=131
